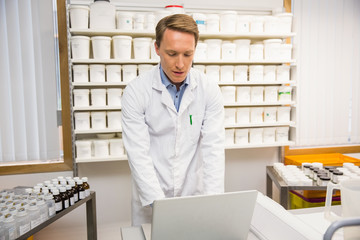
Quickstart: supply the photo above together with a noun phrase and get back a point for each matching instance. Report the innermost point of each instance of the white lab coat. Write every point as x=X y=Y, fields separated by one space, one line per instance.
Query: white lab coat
x=169 y=154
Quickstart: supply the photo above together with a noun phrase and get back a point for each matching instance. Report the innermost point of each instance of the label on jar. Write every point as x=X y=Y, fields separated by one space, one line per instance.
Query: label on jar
x=12 y=233
x=82 y=194
x=43 y=217
x=58 y=206
x=72 y=201
x=76 y=197
x=87 y=192
x=66 y=203
x=36 y=222
x=52 y=210
x=24 y=228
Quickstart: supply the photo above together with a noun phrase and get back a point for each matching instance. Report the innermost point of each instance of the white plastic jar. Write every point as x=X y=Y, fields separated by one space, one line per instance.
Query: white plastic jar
x=149 y=22
x=101 y=47
x=81 y=97
x=270 y=114
x=213 y=49
x=113 y=73
x=283 y=114
x=175 y=9
x=230 y=116
x=272 y=49
x=283 y=73
x=256 y=135
x=257 y=24
x=129 y=72
x=138 y=21
x=257 y=94
x=80 y=73
x=102 y=15
x=256 y=73
x=213 y=23
x=116 y=147
x=256 y=51
x=124 y=20
x=285 y=93
x=228 y=51
x=269 y=73
x=227 y=73
x=98 y=97
x=269 y=135
x=229 y=94
x=114 y=120
x=282 y=134
x=242 y=49
x=143 y=68
x=101 y=148
x=97 y=73
x=82 y=120
x=79 y=16
x=114 y=97
x=271 y=94
x=228 y=21
x=241 y=136
x=241 y=73
x=243 y=94
x=80 y=47
x=83 y=148
x=200 y=51
x=243 y=24
x=200 y=20
x=213 y=73
x=122 y=47
x=256 y=114
x=243 y=115
x=142 y=48
x=98 y=120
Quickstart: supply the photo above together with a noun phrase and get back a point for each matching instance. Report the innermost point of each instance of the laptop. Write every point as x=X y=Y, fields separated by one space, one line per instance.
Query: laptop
x=222 y=216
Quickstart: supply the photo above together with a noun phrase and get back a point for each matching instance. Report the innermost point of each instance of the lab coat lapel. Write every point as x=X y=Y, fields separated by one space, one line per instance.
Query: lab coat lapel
x=165 y=95
x=188 y=96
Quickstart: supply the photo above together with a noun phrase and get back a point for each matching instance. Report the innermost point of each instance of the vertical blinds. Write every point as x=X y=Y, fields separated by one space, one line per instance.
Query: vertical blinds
x=28 y=101
x=328 y=37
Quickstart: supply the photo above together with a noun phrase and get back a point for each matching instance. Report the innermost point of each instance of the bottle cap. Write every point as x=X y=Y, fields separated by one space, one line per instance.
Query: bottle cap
x=62 y=189
x=85 y=179
x=55 y=191
x=68 y=187
x=79 y=181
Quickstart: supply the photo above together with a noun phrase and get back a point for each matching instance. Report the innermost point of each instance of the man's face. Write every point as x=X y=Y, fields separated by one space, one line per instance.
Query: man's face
x=176 y=53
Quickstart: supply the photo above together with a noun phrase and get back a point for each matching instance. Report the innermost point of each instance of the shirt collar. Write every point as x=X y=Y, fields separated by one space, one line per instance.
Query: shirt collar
x=166 y=81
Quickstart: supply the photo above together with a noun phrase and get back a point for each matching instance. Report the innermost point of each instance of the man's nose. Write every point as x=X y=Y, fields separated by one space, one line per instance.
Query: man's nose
x=180 y=62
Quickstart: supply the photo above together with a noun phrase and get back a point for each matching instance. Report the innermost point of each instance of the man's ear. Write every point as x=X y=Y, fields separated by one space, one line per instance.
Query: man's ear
x=157 y=49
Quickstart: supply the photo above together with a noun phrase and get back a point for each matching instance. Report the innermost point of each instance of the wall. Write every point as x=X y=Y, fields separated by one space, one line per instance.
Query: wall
x=245 y=169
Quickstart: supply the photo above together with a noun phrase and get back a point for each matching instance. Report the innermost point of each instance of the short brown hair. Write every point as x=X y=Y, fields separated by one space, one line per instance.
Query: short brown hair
x=177 y=22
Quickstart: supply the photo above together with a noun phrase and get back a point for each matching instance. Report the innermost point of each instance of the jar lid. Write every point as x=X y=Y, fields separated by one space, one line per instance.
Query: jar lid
x=307 y=165
x=338 y=173
x=174 y=6
x=325 y=178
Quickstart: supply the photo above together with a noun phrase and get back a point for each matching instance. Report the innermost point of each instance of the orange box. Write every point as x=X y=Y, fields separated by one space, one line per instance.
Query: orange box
x=329 y=159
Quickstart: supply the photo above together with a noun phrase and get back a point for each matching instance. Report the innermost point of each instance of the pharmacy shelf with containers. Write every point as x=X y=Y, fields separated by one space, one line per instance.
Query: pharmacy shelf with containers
x=246 y=55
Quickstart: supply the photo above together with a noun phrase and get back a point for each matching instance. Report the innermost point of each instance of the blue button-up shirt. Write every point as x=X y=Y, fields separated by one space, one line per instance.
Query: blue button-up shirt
x=174 y=93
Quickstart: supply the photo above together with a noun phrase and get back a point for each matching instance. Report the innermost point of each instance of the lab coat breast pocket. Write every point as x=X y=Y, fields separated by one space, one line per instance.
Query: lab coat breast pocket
x=194 y=126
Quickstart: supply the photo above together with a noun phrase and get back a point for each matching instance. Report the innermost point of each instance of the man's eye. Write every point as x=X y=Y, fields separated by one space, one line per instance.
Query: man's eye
x=172 y=54
x=188 y=54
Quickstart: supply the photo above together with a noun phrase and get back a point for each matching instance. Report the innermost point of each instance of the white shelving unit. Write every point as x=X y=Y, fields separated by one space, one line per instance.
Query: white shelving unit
x=81 y=134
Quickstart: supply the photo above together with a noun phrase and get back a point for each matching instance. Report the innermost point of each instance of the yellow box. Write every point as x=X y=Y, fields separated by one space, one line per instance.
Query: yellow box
x=329 y=159
x=296 y=201
x=316 y=193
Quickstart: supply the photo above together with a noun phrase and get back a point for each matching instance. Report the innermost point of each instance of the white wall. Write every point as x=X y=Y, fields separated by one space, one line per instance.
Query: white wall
x=245 y=169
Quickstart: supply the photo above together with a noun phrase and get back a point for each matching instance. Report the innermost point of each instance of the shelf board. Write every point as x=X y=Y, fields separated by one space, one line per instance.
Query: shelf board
x=261 y=145
x=248 y=83
x=149 y=33
x=258 y=104
x=263 y=124
x=101 y=159
x=97 y=131
x=99 y=84
x=234 y=62
x=93 y=108
x=116 y=61
x=205 y=61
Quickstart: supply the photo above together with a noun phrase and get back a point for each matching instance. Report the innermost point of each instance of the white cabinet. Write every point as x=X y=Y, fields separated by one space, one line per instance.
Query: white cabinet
x=259 y=102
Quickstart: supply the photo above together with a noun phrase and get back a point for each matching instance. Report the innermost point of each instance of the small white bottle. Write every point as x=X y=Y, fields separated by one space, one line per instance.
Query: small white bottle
x=10 y=227
x=34 y=215
x=43 y=208
x=86 y=186
x=49 y=199
x=102 y=15
x=82 y=194
x=2 y=230
x=22 y=221
x=70 y=194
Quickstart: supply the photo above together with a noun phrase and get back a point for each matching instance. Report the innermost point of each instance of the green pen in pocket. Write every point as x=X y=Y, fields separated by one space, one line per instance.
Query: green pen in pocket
x=190 y=119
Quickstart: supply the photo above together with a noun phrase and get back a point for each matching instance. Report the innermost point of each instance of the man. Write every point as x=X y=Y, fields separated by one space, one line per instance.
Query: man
x=172 y=120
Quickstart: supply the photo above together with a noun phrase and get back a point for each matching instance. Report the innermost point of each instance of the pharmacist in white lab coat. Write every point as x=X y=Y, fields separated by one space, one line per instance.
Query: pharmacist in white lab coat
x=172 y=119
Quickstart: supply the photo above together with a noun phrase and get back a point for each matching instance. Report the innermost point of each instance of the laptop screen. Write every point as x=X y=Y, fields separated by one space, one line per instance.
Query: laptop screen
x=221 y=216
